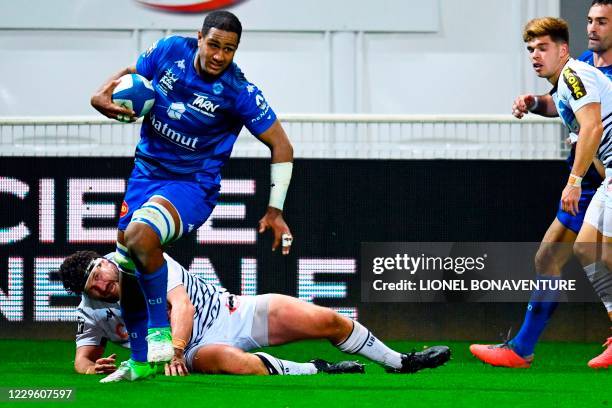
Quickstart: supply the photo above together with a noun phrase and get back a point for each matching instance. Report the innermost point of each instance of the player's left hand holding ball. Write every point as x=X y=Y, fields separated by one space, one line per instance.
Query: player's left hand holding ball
x=273 y=219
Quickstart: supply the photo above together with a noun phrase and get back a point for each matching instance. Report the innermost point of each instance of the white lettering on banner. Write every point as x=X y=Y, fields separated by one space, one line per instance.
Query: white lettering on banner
x=18 y=188
x=309 y=289
x=11 y=303
x=46 y=211
x=81 y=198
x=207 y=234
x=45 y=289
x=79 y=210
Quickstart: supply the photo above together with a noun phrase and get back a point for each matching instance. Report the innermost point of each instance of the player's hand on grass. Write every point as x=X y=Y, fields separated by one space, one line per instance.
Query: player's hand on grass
x=273 y=219
x=102 y=101
x=570 y=198
x=105 y=365
x=522 y=104
x=177 y=366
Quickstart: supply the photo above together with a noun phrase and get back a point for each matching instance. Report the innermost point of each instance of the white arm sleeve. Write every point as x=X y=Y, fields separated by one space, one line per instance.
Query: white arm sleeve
x=175 y=273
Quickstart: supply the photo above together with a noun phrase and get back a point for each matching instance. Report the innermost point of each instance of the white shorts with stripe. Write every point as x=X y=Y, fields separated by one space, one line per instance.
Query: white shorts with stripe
x=242 y=322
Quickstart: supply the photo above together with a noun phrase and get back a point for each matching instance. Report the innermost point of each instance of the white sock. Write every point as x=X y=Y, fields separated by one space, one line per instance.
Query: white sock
x=362 y=342
x=601 y=279
x=276 y=366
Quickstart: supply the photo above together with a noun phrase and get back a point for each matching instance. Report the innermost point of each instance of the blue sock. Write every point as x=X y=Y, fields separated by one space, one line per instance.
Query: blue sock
x=539 y=310
x=155 y=287
x=136 y=325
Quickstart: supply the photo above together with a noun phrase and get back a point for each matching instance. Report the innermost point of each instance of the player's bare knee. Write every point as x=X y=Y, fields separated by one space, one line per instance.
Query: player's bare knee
x=142 y=243
x=333 y=325
x=585 y=252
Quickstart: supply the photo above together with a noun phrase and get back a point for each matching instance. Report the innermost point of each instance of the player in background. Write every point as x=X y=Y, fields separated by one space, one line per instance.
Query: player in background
x=579 y=112
x=213 y=329
x=202 y=100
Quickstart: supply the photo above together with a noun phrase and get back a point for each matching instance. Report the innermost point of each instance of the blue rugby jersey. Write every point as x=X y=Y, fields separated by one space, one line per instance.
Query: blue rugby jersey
x=195 y=121
x=587 y=57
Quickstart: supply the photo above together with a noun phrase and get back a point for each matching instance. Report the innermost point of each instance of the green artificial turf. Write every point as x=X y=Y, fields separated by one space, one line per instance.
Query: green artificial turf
x=558 y=378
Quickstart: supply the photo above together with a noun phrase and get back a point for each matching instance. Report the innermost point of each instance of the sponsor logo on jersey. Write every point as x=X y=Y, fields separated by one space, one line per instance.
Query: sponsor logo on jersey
x=180 y=64
x=166 y=83
x=121 y=332
x=204 y=105
x=250 y=88
x=263 y=106
x=217 y=88
x=150 y=49
x=80 y=325
x=232 y=303
x=188 y=6
x=176 y=110
x=172 y=135
x=261 y=102
x=124 y=209
x=574 y=83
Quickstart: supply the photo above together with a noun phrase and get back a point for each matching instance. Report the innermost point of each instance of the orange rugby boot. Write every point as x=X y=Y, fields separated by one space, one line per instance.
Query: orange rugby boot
x=500 y=355
x=604 y=360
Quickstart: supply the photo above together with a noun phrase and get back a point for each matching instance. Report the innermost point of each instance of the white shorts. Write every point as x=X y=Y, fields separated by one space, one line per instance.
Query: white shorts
x=599 y=212
x=242 y=323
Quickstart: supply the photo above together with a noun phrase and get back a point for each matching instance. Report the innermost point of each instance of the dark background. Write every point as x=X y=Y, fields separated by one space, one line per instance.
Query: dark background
x=333 y=206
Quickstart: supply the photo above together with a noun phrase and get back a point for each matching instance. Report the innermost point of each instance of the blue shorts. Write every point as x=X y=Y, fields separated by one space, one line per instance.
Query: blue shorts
x=574 y=222
x=193 y=200
x=590 y=183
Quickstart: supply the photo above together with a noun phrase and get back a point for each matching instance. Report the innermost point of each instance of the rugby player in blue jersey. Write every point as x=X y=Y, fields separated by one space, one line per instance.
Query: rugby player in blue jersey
x=202 y=101
x=556 y=248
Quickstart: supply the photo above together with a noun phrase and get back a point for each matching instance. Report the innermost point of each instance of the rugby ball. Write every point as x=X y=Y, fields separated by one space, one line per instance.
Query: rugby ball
x=134 y=92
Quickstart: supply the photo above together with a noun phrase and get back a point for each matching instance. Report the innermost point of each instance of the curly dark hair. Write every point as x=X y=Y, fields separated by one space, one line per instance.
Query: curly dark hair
x=72 y=270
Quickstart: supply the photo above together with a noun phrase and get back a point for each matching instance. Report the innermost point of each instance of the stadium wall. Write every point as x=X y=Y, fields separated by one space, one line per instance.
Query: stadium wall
x=52 y=207
x=334 y=56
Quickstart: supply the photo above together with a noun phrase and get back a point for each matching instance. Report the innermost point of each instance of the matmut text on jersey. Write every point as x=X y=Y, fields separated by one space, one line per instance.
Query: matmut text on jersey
x=195 y=120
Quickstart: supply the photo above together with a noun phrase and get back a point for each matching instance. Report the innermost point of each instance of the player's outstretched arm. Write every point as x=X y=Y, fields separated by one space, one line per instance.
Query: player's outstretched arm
x=101 y=100
x=542 y=105
x=89 y=360
x=282 y=166
x=181 y=320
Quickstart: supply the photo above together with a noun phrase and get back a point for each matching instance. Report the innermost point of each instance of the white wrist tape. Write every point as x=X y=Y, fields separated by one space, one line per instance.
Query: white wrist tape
x=280 y=177
x=574 y=181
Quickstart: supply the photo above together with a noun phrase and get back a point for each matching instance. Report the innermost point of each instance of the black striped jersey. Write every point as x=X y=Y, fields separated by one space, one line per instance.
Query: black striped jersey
x=205 y=298
x=99 y=321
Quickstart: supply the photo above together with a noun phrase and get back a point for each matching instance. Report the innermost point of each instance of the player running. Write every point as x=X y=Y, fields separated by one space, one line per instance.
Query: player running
x=202 y=100
x=212 y=329
x=582 y=97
